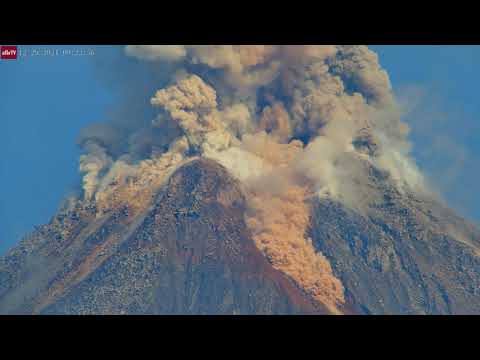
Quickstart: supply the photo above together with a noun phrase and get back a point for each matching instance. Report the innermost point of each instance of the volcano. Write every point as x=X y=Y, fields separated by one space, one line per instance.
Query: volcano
x=191 y=253
x=275 y=179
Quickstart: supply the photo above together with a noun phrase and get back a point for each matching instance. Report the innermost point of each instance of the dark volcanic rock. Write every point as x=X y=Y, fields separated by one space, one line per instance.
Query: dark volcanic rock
x=190 y=253
x=406 y=256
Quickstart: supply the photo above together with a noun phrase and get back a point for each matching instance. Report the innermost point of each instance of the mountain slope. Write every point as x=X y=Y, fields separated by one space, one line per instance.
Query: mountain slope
x=189 y=254
x=408 y=255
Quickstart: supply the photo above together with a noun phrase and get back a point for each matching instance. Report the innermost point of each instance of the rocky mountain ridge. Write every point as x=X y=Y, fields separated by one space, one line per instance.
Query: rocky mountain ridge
x=191 y=253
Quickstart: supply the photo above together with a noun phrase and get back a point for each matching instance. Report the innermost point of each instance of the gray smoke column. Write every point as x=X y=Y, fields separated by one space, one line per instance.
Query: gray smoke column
x=337 y=95
x=291 y=122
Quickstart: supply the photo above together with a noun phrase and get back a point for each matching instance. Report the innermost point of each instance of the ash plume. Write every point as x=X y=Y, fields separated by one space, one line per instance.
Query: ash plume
x=291 y=122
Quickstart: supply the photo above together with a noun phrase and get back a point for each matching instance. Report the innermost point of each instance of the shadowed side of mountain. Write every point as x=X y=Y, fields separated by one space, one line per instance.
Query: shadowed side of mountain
x=190 y=253
x=408 y=256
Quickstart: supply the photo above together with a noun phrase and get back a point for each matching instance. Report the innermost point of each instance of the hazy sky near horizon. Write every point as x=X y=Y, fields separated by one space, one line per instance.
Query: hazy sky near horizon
x=46 y=100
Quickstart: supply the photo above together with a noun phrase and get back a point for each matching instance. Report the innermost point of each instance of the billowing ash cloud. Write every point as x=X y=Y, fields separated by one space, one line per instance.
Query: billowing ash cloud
x=290 y=121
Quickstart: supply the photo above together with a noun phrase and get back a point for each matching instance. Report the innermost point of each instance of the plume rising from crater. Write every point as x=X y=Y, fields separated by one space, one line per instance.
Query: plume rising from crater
x=291 y=122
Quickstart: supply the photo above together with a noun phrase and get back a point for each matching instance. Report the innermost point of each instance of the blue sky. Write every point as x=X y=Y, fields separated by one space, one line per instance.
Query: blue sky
x=45 y=101
x=443 y=83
